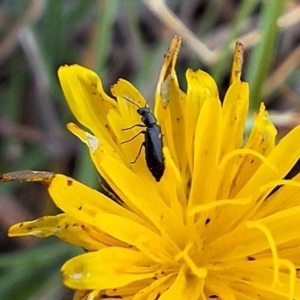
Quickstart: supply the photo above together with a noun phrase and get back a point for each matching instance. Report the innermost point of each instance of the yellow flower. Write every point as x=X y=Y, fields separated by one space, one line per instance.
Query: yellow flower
x=221 y=223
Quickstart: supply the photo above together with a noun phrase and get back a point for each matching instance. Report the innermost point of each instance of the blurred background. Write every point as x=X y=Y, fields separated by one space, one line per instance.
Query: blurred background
x=116 y=39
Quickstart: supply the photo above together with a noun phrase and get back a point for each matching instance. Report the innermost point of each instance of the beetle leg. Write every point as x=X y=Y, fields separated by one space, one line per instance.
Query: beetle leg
x=143 y=132
x=136 y=125
x=140 y=150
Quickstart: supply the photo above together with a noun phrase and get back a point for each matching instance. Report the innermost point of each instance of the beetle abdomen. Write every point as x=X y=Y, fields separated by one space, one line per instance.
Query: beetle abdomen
x=153 y=151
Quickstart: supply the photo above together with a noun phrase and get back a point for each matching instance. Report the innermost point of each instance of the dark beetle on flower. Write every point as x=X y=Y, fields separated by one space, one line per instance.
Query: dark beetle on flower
x=153 y=141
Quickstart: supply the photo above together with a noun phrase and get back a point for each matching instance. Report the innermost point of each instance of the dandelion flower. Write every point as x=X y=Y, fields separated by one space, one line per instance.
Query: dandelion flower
x=221 y=223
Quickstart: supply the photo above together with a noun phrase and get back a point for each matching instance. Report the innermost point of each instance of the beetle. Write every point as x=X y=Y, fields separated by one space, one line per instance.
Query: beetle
x=153 y=142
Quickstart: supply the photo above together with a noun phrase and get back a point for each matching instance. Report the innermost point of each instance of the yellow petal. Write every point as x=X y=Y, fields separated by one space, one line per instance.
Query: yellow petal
x=156 y=288
x=96 y=147
x=263 y=133
x=243 y=241
x=63 y=226
x=82 y=202
x=286 y=197
x=124 y=89
x=175 y=195
x=94 y=144
x=234 y=114
x=284 y=156
x=142 y=200
x=207 y=146
x=169 y=106
x=178 y=289
x=201 y=87
x=132 y=233
x=217 y=288
x=86 y=98
x=106 y=268
x=194 y=287
x=257 y=283
x=262 y=140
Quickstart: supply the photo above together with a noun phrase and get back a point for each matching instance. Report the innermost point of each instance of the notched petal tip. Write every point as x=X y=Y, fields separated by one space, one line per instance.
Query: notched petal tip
x=68 y=69
x=27 y=176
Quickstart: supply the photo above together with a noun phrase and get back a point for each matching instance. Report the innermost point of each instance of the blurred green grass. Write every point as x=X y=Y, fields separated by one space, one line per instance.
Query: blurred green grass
x=116 y=39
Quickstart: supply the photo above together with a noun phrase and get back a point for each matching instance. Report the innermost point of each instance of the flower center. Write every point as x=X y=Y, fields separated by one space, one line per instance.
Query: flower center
x=187 y=257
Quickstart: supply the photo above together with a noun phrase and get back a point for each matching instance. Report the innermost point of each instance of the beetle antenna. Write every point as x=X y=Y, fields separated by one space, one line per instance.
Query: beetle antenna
x=130 y=101
x=147 y=102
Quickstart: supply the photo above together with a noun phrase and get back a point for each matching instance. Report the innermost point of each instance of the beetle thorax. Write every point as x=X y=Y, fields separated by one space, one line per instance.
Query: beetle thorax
x=147 y=117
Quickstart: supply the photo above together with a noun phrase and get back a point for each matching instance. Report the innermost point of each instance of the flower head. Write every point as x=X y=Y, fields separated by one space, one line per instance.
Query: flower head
x=220 y=223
